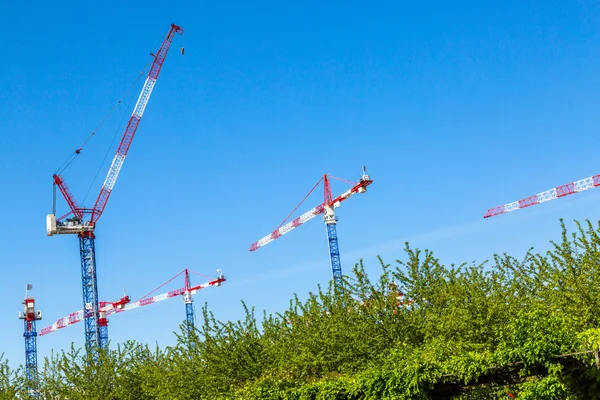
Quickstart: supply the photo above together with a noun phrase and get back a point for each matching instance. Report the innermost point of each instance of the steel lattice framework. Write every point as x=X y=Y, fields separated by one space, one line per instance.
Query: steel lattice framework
x=29 y=317
x=552 y=194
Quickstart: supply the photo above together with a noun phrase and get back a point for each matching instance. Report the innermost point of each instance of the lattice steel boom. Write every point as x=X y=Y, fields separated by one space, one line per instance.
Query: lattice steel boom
x=552 y=194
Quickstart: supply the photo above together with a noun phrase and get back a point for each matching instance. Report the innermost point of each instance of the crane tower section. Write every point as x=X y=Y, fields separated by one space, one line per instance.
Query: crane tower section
x=30 y=316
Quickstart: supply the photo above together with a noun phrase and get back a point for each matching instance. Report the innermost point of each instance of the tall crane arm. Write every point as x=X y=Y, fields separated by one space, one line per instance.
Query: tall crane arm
x=132 y=125
x=554 y=193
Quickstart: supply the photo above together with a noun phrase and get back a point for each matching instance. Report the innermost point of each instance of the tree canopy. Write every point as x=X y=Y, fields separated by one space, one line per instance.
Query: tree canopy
x=509 y=327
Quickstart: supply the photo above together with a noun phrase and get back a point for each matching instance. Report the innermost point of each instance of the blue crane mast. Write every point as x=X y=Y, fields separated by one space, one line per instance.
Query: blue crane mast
x=29 y=316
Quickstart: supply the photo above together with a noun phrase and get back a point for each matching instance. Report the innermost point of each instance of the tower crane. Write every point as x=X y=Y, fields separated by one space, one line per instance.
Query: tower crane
x=552 y=194
x=29 y=316
x=82 y=221
x=124 y=304
x=327 y=209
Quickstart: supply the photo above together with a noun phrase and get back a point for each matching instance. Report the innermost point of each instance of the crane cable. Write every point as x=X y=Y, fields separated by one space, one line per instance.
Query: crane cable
x=148 y=294
x=75 y=153
x=105 y=155
x=294 y=210
x=200 y=275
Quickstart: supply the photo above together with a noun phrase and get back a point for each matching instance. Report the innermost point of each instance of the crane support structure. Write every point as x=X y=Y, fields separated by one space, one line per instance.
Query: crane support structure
x=189 y=303
x=334 y=254
x=89 y=285
x=331 y=225
x=327 y=208
x=552 y=194
x=29 y=317
x=82 y=221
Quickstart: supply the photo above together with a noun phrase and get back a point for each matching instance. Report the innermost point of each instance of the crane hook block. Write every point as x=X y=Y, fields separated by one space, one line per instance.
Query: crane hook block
x=182 y=50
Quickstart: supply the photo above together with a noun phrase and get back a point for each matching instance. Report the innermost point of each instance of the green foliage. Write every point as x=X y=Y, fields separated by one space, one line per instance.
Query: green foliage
x=10 y=381
x=115 y=374
x=535 y=337
x=546 y=388
x=508 y=328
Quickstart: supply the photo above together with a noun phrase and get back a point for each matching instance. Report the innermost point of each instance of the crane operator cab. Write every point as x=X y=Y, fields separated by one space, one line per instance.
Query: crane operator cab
x=71 y=225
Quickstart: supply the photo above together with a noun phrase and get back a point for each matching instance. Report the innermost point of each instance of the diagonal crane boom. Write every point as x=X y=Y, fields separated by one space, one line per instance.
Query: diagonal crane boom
x=132 y=125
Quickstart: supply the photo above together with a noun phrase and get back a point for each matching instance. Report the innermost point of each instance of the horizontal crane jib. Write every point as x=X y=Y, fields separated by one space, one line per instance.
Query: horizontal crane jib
x=552 y=194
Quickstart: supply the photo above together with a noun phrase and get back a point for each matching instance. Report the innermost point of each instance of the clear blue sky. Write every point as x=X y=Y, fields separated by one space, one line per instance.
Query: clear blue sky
x=454 y=108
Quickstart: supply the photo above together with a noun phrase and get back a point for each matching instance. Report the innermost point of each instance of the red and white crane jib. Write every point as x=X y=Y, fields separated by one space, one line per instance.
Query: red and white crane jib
x=554 y=193
x=79 y=315
x=124 y=304
x=63 y=322
x=164 y=296
x=134 y=120
x=277 y=233
x=360 y=187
